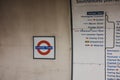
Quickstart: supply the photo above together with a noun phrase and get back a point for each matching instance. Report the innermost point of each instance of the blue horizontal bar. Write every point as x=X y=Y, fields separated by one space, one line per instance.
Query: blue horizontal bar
x=95 y=13
x=44 y=47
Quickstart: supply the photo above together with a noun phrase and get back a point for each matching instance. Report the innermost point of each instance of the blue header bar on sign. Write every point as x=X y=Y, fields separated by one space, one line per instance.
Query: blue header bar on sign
x=95 y=13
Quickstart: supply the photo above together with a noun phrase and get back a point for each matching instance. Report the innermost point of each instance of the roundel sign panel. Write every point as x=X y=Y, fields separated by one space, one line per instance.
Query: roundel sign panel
x=44 y=47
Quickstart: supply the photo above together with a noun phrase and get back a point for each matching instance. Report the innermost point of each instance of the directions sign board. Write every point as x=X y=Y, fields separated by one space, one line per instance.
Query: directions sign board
x=44 y=47
x=96 y=39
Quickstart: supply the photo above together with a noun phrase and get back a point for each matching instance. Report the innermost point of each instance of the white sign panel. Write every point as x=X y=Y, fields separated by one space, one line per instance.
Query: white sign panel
x=96 y=39
x=44 y=47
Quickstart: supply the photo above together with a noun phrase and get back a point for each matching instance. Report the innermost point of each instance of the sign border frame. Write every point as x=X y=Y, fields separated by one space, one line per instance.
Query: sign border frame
x=54 y=47
x=71 y=25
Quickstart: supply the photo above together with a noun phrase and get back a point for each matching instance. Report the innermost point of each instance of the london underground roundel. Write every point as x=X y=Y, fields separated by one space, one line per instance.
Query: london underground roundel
x=45 y=48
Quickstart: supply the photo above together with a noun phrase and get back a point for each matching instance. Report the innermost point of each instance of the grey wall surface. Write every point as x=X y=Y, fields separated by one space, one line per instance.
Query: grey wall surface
x=20 y=20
